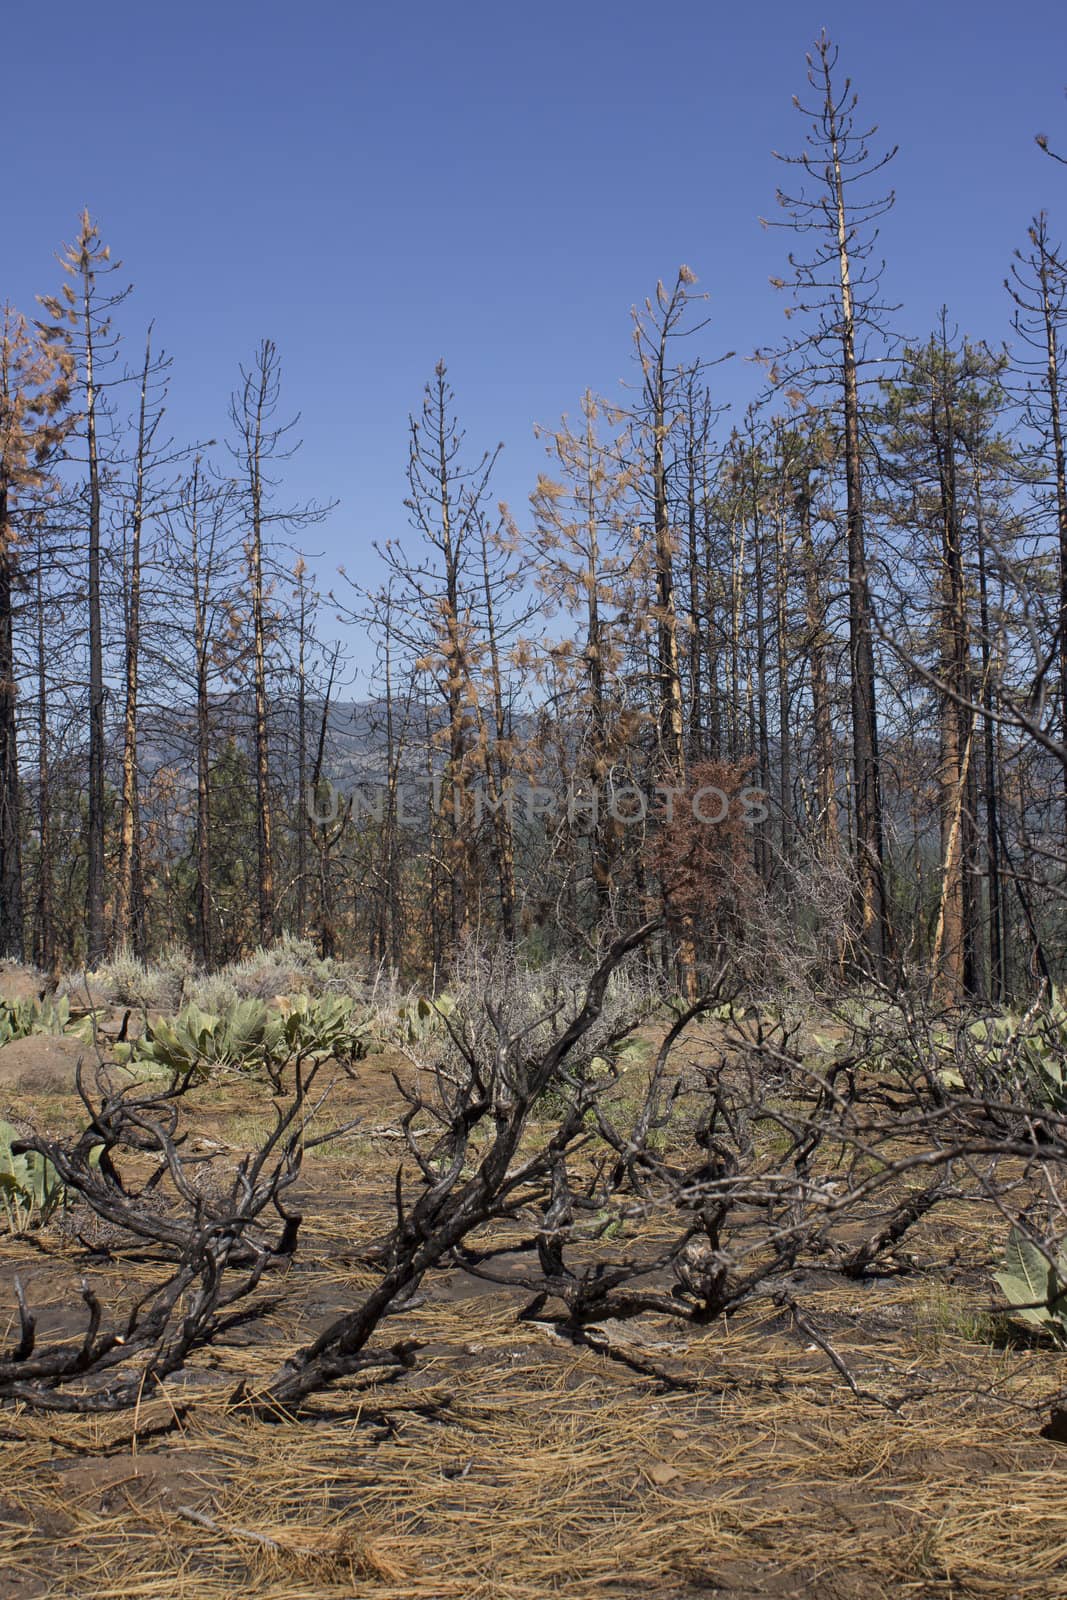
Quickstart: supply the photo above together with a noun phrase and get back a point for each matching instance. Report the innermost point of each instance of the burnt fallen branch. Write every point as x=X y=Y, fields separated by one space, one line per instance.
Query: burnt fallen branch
x=760 y=1169
x=498 y=1070
x=686 y=1203
x=210 y=1234
x=537 y=1156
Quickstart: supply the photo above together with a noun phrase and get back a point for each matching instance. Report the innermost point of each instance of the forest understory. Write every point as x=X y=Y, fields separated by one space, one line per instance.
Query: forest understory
x=810 y=1400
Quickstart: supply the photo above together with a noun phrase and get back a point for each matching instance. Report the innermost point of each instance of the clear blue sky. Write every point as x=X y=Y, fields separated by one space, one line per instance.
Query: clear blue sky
x=376 y=186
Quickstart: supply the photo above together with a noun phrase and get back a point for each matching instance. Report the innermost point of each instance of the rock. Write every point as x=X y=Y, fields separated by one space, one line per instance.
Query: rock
x=44 y=1063
x=23 y=983
x=121 y=1022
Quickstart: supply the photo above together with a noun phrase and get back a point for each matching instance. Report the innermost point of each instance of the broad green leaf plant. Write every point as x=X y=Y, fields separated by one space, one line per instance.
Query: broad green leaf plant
x=1035 y=1285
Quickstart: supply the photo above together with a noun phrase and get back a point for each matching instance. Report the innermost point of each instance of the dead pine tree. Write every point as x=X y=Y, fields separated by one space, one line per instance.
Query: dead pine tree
x=202 y=548
x=943 y=394
x=143 y=500
x=314 y=666
x=394 y=712
x=781 y=507
x=36 y=369
x=305 y=602
x=803 y=458
x=449 y=618
x=992 y=468
x=436 y=501
x=83 y=311
x=654 y=454
x=756 y=481
x=43 y=946
x=497 y=747
x=259 y=442
x=583 y=569
x=698 y=466
x=1038 y=288
x=835 y=286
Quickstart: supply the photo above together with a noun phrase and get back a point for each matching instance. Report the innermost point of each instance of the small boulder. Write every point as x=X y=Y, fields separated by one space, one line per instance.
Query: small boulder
x=44 y=1063
x=19 y=983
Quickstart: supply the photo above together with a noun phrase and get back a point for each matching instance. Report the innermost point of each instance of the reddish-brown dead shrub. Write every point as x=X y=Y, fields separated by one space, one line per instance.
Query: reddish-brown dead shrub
x=702 y=850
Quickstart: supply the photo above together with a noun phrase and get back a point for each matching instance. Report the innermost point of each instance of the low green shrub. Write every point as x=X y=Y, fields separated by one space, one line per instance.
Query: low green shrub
x=30 y=1188
x=1035 y=1285
x=21 y=1018
x=419 y=1019
x=250 y=1035
x=1022 y=1054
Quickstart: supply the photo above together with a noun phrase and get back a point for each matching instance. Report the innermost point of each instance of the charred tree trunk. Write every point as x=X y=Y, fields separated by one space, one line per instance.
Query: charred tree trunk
x=128 y=924
x=96 y=820
x=822 y=717
x=10 y=809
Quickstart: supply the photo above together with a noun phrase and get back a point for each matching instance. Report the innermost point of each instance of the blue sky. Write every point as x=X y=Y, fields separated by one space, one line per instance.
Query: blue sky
x=374 y=187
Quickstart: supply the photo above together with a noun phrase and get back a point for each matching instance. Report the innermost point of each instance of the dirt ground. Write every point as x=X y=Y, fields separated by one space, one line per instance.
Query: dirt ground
x=514 y=1463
